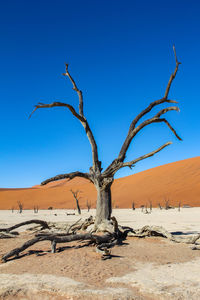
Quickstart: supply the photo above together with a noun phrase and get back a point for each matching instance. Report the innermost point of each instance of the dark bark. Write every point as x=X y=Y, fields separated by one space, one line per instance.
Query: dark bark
x=55 y=239
x=40 y=222
x=75 y=195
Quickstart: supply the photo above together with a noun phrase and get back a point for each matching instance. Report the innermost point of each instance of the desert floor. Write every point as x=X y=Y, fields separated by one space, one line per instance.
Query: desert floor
x=150 y=268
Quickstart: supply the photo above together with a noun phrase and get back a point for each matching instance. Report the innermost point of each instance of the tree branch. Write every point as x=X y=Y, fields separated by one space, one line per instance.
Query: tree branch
x=69 y=176
x=133 y=162
x=79 y=92
x=54 y=104
x=173 y=75
x=165 y=99
x=117 y=165
x=118 y=162
x=40 y=222
x=80 y=117
x=155 y=119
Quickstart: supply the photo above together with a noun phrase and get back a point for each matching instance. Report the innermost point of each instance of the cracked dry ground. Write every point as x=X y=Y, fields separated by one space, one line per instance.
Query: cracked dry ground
x=141 y=269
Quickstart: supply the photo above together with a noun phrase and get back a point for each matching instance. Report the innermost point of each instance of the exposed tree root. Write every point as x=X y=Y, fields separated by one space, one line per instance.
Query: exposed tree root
x=5 y=235
x=55 y=239
x=103 y=242
x=160 y=231
x=40 y=222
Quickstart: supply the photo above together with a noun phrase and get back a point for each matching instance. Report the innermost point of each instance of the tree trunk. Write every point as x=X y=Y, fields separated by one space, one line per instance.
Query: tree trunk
x=104 y=204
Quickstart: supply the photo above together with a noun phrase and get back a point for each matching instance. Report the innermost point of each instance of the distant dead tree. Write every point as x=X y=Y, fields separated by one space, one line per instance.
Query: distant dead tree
x=142 y=207
x=150 y=205
x=103 y=180
x=159 y=206
x=35 y=209
x=146 y=210
x=20 y=206
x=133 y=205
x=167 y=206
x=75 y=195
x=179 y=206
x=88 y=205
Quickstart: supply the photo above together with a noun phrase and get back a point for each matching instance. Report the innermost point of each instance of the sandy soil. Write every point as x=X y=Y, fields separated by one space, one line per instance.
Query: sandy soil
x=142 y=269
x=177 y=182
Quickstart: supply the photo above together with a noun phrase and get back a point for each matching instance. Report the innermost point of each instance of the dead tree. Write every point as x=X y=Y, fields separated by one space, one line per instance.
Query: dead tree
x=75 y=195
x=150 y=205
x=103 y=179
x=20 y=206
x=167 y=206
x=88 y=205
x=133 y=205
x=35 y=209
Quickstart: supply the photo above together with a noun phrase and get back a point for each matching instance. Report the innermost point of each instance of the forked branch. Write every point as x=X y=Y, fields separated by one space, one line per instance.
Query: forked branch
x=80 y=116
x=116 y=165
x=126 y=144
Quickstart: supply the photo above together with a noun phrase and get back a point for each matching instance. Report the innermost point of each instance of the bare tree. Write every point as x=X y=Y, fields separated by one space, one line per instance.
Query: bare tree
x=88 y=205
x=167 y=206
x=133 y=205
x=75 y=195
x=150 y=205
x=104 y=179
x=35 y=209
x=20 y=206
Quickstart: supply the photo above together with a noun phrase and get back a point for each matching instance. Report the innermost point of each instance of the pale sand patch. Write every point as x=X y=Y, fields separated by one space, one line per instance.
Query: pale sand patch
x=27 y=286
x=186 y=220
x=171 y=281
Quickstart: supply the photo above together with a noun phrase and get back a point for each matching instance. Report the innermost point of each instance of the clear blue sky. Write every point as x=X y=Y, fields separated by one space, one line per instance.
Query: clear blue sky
x=120 y=53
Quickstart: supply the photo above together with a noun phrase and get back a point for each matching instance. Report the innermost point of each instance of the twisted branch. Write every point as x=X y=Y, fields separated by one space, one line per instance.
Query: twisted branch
x=80 y=116
x=69 y=176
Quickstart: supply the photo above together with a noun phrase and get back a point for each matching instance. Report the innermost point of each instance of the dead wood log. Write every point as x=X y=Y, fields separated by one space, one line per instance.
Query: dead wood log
x=40 y=222
x=162 y=232
x=7 y=235
x=55 y=239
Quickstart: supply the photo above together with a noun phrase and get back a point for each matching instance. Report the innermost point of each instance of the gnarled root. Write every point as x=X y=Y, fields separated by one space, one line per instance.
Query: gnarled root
x=162 y=232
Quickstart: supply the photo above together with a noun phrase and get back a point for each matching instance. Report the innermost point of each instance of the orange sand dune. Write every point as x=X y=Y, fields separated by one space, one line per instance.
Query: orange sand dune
x=179 y=181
